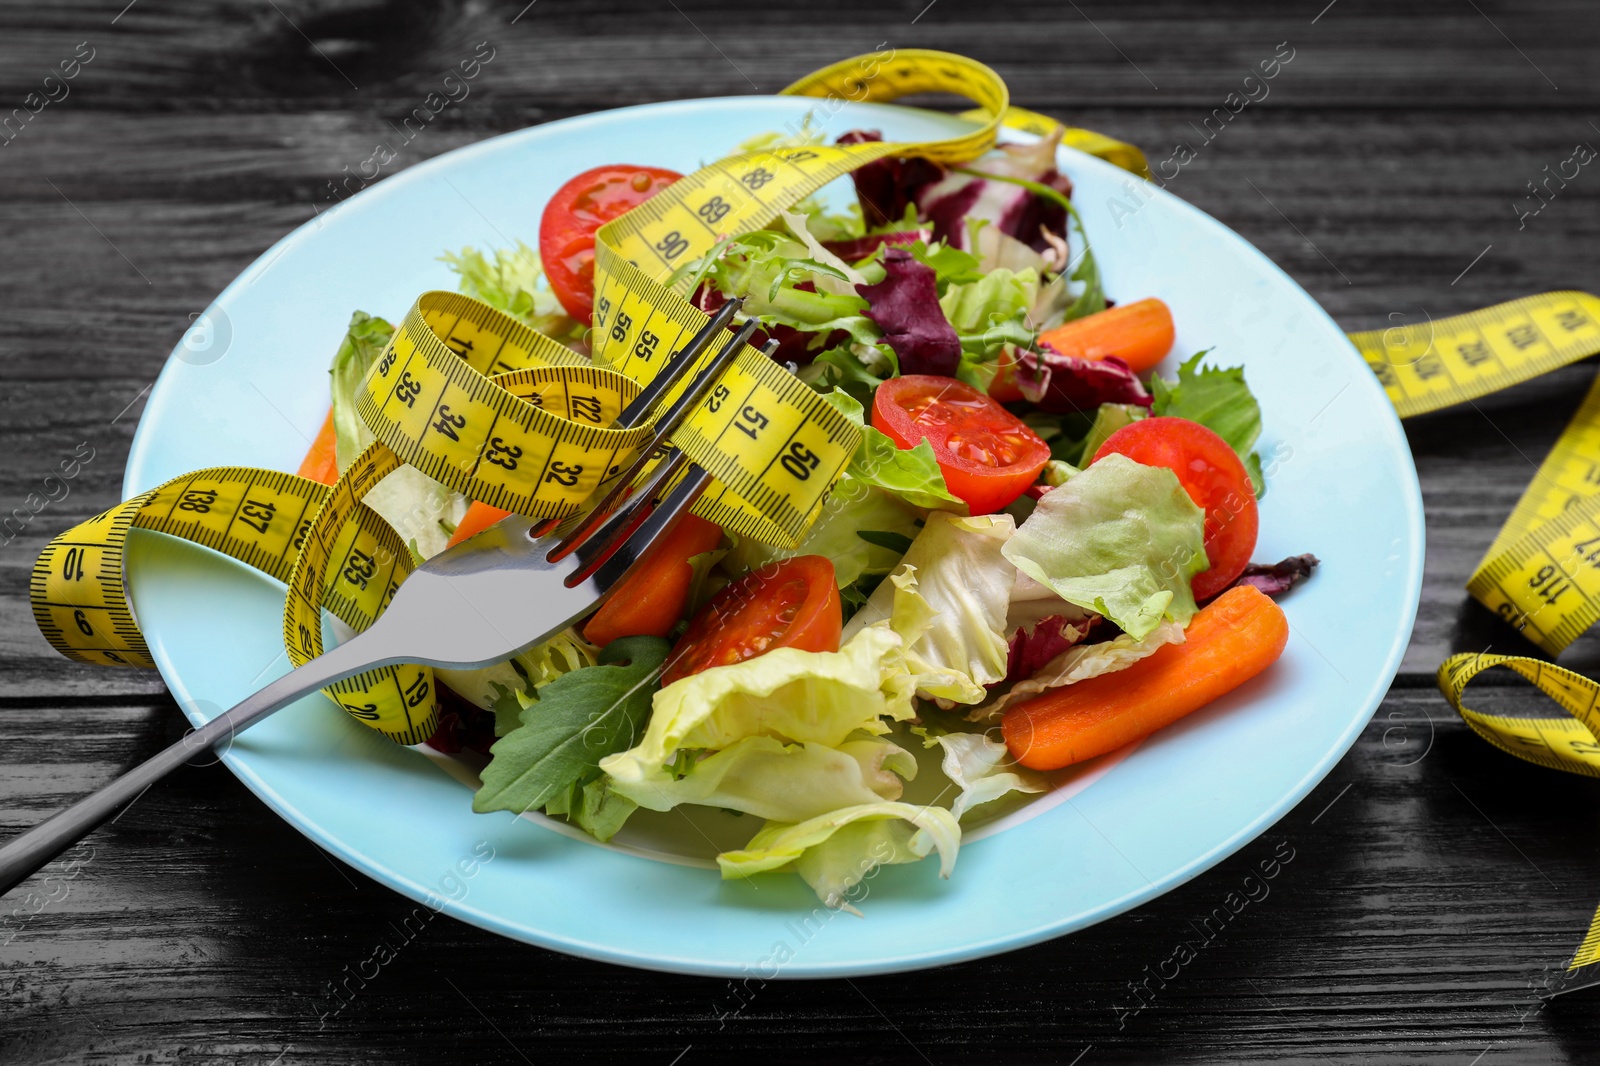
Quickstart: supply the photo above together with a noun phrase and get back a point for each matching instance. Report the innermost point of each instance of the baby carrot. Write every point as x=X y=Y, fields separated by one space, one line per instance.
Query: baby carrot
x=651 y=598
x=1140 y=334
x=479 y=517
x=1231 y=640
x=320 y=463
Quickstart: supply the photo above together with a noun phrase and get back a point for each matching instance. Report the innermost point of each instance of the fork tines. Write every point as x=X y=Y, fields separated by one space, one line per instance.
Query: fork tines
x=645 y=500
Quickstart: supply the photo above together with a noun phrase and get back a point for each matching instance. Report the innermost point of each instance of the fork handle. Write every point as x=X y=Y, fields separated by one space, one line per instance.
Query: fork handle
x=24 y=855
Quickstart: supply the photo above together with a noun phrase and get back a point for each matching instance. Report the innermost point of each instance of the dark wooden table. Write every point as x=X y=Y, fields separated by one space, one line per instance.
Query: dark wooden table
x=1436 y=882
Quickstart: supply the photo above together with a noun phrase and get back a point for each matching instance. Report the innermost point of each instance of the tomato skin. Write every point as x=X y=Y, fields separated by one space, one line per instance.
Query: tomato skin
x=789 y=604
x=1215 y=479
x=581 y=206
x=988 y=455
x=651 y=598
x=1004 y=387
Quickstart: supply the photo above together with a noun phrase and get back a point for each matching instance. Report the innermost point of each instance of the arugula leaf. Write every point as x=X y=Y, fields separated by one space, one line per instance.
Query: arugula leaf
x=1218 y=399
x=508 y=707
x=579 y=719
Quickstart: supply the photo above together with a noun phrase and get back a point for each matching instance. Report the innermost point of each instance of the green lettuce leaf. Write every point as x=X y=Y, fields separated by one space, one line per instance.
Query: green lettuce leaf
x=982 y=768
x=948 y=602
x=1091 y=296
x=951 y=266
x=841 y=368
x=579 y=718
x=992 y=312
x=1218 y=399
x=497 y=687
x=1120 y=539
x=364 y=341
x=1057 y=473
x=793 y=695
x=852 y=506
x=602 y=810
x=912 y=474
x=833 y=857
x=592 y=807
x=423 y=511
x=1081 y=662
x=1107 y=420
x=514 y=282
x=781 y=782
x=767 y=267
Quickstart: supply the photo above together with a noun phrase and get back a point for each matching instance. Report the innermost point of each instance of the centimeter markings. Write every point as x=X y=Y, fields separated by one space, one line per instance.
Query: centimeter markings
x=1568 y=743
x=1531 y=579
x=332 y=551
x=1460 y=358
x=1567 y=476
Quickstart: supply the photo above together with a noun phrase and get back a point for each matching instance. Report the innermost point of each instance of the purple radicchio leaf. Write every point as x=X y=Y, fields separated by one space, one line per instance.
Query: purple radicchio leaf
x=886 y=187
x=1277 y=578
x=905 y=305
x=1031 y=647
x=1060 y=383
x=957 y=198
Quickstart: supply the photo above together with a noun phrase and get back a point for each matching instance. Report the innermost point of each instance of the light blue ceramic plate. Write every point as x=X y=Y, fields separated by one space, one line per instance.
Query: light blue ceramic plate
x=250 y=388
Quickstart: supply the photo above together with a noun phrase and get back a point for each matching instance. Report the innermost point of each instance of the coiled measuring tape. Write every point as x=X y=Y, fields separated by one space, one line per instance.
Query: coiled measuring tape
x=1542 y=573
x=503 y=414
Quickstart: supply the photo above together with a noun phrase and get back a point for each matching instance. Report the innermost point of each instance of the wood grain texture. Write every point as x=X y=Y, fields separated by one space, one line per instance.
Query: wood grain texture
x=1433 y=881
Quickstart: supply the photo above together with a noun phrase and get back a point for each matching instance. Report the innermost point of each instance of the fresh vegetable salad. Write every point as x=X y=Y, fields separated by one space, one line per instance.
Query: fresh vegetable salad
x=1040 y=553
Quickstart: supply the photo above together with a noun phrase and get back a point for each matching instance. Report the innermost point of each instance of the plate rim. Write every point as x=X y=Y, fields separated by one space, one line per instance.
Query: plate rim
x=139 y=456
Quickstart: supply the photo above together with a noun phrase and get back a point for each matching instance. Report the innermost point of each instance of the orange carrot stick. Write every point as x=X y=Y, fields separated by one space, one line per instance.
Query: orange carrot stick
x=1140 y=334
x=1231 y=640
x=479 y=517
x=320 y=463
x=651 y=600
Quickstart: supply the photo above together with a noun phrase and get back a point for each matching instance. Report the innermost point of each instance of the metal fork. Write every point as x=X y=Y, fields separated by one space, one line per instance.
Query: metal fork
x=510 y=587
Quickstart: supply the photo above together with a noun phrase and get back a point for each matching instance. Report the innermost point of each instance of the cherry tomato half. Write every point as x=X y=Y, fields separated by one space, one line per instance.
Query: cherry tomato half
x=987 y=454
x=789 y=604
x=581 y=206
x=1214 y=478
x=1004 y=387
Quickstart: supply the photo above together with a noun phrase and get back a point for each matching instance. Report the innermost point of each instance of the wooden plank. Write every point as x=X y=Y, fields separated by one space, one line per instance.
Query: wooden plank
x=1402 y=918
x=1394 y=148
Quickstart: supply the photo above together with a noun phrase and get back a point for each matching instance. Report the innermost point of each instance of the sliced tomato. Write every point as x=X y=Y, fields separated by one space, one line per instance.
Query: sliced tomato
x=1214 y=478
x=581 y=206
x=1004 y=387
x=651 y=598
x=988 y=455
x=789 y=604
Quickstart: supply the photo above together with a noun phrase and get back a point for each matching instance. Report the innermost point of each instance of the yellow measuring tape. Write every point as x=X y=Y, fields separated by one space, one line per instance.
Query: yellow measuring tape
x=1542 y=573
x=503 y=414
